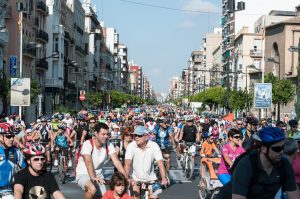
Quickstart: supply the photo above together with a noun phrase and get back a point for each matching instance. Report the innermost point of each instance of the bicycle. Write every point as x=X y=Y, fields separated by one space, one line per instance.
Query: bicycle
x=209 y=184
x=187 y=159
x=62 y=165
x=144 y=188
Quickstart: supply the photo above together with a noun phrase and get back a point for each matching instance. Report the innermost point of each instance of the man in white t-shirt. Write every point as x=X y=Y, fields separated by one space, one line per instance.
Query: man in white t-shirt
x=68 y=120
x=141 y=154
x=89 y=171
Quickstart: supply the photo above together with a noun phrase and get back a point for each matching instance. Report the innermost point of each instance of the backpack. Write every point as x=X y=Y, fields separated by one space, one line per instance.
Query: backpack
x=226 y=191
x=78 y=154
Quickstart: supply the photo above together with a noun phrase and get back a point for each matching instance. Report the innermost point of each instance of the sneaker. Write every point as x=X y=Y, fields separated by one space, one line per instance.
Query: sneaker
x=55 y=163
x=69 y=163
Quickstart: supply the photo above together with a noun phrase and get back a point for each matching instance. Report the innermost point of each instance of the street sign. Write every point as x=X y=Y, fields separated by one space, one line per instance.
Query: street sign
x=81 y=97
x=262 y=95
x=13 y=66
x=20 y=92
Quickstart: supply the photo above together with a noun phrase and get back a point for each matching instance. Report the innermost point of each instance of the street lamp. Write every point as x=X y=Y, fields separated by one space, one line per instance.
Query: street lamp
x=273 y=60
x=297 y=49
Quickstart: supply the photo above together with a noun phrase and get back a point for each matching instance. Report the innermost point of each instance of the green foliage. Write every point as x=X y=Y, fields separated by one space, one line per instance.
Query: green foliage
x=119 y=98
x=237 y=100
x=282 y=90
x=64 y=109
x=211 y=96
x=93 y=98
x=35 y=90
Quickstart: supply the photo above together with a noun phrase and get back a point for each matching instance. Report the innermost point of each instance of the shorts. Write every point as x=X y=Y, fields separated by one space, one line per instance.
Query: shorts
x=166 y=150
x=81 y=181
x=65 y=151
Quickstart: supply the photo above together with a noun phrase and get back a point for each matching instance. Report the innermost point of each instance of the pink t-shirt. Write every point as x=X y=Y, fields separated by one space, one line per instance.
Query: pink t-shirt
x=110 y=195
x=224 y=167
x=296 y=167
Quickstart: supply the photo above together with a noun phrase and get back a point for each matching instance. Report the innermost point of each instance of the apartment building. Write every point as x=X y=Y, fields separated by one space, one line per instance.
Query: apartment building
x=197 y=72
x=136 y=79
x=210 y=42
x=217 y=69
x=175 y=88
x=123 y=55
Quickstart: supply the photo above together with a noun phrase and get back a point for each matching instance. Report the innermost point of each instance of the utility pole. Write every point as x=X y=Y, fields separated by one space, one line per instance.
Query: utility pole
x=298 y=84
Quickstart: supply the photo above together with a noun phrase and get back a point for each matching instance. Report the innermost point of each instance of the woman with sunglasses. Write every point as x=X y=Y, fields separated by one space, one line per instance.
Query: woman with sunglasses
x=230 y=152
x=127 y=135
x=34 y=181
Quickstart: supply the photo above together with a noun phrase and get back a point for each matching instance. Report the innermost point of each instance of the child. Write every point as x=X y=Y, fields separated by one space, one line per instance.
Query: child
x=118 y=187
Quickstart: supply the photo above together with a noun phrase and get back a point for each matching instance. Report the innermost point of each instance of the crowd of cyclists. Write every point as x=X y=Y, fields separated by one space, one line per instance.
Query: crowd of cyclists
x=258 y=158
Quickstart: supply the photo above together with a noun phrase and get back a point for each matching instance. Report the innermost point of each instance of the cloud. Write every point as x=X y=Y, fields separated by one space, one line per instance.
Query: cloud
x=186 y=24
x=201 y=6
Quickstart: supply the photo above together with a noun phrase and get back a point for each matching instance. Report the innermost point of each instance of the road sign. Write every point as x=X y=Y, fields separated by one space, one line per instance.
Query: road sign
x=262 y=95
x=81 y=97
x=13 y=66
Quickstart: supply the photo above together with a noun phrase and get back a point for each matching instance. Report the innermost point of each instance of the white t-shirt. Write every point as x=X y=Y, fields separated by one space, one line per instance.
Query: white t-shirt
x=142 y=160
x=151 y=127
x=69 y=122
x=99 y=156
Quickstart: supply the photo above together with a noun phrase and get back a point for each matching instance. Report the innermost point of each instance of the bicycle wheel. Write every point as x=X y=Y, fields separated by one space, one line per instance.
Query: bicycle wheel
x=61 y=168
x=215 y=193
x=189 y=168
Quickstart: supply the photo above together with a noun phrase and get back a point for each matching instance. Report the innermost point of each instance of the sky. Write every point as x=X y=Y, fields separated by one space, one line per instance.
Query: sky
x=160 y=35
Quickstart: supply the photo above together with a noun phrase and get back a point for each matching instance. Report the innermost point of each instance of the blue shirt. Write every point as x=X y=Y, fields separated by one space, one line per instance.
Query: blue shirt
x=162 y=136
x=8 y=165
x=61 y=140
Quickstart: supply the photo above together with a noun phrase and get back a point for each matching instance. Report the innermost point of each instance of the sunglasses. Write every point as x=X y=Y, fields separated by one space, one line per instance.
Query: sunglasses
x=38 y=159
x=129 y=135
x=140 y=136
x=92 y=122
x=238 y=124
x=277 y=149
x=9 y=136
x=236 y=137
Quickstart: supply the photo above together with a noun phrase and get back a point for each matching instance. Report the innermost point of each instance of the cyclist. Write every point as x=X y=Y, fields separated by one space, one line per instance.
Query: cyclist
x=45 y=134
x=55 y=121
x=150 y=124
x=293 y=128
x=164 y=134
x=11 y=158
x=19 y=136
x=209 y=148
x=68 y=120
x=86 y=135
x=264 y=173
x=127 y=135
x=282 y=125
x=189 y=133
x=34 y=181
x=94 y=152
x=79 y=129
x=230 y=152
x=61 y=139
x=142 y=150
x=115 y=133
x=251 y=128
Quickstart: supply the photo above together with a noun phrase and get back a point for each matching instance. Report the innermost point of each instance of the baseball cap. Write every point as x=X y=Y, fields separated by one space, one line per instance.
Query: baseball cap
x=140 y=130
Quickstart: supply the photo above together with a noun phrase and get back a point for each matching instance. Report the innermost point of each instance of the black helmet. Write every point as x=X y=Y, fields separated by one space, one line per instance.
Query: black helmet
x=251 y=120
x=293 y=123
x=80 y=117
x=43 y=119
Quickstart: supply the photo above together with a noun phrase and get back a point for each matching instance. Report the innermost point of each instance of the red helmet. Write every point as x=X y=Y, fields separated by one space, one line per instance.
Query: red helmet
x=5 y=128
x=34 y=150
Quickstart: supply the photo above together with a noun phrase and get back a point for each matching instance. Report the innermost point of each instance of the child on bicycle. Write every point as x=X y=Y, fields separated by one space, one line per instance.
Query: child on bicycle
x=61 y=139
x=118 y=187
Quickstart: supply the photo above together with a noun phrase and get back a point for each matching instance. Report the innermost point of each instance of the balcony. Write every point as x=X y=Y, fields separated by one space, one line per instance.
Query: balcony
x=29 y=51
x=54 y=83
x=42 y=35
x=8 y=12
x=41 y=6
x=79 y=49
x=42 y=63
x=256 y=53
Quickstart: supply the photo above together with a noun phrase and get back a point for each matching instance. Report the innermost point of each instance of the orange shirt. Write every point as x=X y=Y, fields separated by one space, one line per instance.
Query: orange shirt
x=207 y=148
x=110 y=195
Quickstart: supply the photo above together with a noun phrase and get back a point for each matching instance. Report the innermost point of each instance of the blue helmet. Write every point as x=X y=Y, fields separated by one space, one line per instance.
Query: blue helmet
x=269 y=135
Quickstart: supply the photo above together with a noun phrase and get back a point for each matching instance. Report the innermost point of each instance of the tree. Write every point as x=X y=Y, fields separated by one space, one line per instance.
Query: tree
x=93 y=98
x=237 y=100
x=35 y=90
x=282 y=91
x=4 y=88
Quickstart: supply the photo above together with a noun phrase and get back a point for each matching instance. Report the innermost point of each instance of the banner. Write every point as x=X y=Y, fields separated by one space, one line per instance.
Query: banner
x=20 y=92
x=262 y=95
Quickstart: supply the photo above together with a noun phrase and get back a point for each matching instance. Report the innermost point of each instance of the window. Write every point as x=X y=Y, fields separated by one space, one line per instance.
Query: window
x=257 y=63
x=55 y=43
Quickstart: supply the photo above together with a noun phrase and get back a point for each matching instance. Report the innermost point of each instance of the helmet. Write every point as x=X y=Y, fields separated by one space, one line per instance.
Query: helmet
x=80 y=117
x=5 y=128
x=251 y=120
x=60 y=116
x=189 y=118
x=34 y=150
x=293 y=123
x=269 y=135
x=43 y=119
x=280 y=123
x=61 y=126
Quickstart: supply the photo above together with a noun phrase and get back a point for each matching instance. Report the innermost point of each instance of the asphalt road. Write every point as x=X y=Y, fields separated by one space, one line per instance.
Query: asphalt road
x=180 y=187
